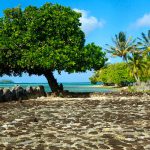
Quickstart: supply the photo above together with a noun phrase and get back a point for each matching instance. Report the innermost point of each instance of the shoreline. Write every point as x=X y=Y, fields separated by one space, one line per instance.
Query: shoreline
x=107 y=87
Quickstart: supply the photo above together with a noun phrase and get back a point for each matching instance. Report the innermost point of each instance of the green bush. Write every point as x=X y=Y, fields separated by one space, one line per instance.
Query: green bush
x=118 y=73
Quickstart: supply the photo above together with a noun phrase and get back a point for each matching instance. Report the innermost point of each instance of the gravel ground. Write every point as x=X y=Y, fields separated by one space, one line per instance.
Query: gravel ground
x=103 y=122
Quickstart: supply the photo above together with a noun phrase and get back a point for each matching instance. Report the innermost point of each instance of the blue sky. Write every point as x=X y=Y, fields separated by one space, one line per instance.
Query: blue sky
x=101 y=20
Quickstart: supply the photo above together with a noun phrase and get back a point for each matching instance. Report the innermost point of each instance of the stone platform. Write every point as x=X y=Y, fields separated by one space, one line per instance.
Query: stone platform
x=97 y=123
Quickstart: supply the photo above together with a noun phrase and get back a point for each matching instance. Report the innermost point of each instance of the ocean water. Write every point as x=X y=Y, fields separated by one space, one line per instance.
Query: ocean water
x=72 y=87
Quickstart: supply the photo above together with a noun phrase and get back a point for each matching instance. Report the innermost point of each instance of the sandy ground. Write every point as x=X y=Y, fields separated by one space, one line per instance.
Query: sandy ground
x=99 y=122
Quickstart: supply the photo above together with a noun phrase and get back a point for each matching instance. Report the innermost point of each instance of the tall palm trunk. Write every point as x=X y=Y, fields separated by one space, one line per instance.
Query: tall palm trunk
x=137 y=78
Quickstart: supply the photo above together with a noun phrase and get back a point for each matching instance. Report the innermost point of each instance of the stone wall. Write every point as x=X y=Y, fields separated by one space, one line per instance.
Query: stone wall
x=20 y=93
x=142 y=86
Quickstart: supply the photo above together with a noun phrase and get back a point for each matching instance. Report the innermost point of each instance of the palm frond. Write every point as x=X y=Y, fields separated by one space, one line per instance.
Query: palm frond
x=144 y=37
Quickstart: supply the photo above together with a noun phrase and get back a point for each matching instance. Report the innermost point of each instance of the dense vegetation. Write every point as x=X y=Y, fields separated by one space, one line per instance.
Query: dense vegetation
x=43 y=40
x=118 y=73
x=136 y=56
x=47 y=39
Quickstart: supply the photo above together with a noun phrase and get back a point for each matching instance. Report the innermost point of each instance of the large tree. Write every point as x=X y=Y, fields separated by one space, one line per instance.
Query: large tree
x=43 y=40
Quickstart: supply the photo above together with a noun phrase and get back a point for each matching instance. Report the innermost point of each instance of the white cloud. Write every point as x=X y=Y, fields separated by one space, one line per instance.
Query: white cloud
x=89 y=23
x=143 y=21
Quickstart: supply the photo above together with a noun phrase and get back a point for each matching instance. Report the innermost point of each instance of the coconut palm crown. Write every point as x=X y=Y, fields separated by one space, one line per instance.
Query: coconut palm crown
x=123 y=46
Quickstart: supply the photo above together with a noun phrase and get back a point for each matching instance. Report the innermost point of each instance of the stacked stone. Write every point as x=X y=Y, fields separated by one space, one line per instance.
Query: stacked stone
x=19 y=93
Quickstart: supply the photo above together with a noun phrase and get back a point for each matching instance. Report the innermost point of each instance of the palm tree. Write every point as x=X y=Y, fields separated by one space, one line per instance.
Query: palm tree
x=145 y=43
x=123 y=46
x=145 y=39
x=137 y=65
x=145 y=46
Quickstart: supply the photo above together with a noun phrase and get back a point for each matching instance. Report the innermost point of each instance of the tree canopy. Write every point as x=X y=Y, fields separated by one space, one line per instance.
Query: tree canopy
x=123 y=46
x=42 y=40
x=118 y=73
x=137 y=61
x=136 y=54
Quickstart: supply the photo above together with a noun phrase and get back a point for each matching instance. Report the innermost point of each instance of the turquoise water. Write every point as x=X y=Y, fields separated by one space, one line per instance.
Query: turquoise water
x=72 y=87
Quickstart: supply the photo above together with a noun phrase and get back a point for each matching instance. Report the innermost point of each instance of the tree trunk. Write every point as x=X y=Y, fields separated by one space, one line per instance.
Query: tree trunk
x=137 y=78
x=52 y=82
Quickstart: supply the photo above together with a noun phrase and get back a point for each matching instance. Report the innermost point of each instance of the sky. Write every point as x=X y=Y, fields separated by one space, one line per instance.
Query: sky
x=101 y=20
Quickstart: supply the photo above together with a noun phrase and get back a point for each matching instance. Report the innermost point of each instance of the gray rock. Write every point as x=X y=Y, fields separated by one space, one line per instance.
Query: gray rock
x=7 y=94
x=142 y=86
x=38 y=93
x=19 y=92
x=41 y=91
x=1 y=95
x=13 y=93
x=31 y=92
x=35 y=92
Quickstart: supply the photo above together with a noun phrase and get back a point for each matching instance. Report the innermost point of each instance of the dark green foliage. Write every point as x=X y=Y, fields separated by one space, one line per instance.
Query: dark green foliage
x=93 y=56
x=42 y=40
